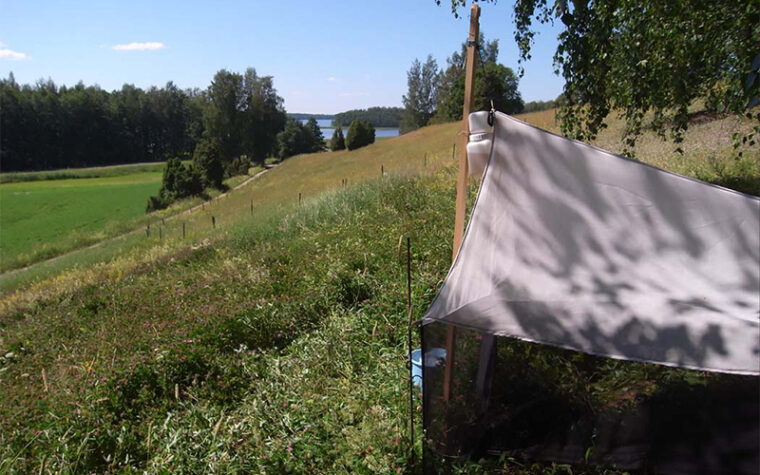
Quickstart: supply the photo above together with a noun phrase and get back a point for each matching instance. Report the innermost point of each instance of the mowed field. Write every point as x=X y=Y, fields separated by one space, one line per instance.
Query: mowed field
x=40 y=219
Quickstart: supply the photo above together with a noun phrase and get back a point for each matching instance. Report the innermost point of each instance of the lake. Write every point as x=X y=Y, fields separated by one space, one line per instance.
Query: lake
x=325 y=125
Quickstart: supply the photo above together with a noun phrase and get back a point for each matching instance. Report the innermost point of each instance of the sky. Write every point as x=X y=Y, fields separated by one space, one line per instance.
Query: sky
x=325 y=56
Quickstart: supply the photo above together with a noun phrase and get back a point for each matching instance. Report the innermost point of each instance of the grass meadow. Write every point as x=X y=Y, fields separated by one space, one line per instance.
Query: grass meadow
x=271 y=343
x=41 y=219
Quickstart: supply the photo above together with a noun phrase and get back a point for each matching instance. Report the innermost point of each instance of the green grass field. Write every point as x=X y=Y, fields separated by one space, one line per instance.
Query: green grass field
x=91 y=172
x=274 y=342
x=40 y=219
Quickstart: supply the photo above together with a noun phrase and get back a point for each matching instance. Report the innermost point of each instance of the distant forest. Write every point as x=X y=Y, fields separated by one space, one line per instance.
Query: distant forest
x=302 y=116
x=534 y=106
x=377 y=116
x=45 y=126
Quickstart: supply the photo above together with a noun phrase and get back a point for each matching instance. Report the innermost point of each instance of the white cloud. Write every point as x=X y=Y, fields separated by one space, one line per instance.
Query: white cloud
x=12 y=55
x=332 y=78
x=353 y=94
x=134 y=46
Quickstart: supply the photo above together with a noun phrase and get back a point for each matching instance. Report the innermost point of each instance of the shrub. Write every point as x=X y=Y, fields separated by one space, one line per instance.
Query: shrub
x=360 y=133
x=178 y=182
x=238 y=166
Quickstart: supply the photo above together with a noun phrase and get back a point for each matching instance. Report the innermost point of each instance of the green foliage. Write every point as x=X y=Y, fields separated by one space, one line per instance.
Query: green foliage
x=647 y=59
x=360 y=133
x=377 y=116
x=535 y=106
x=420 y=99
x=300 y=138
x=338 y=142
x=47 y=126
x=493 y=82
x=313 y=136
x=238 y=166
x=207 y=159
x=179 y=181
x=243 y=115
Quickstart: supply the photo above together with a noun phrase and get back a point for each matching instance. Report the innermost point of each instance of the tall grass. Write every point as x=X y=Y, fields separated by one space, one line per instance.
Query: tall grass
x=284 y=342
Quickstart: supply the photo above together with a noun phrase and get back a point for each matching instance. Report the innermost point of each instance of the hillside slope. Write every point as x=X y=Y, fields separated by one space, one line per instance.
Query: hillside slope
x=274 y=342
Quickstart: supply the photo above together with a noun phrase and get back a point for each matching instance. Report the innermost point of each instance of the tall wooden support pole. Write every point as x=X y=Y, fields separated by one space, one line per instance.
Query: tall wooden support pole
x=461 y=200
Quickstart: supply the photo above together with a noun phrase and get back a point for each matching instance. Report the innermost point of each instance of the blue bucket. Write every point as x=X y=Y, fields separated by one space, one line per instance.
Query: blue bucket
x=433 y=358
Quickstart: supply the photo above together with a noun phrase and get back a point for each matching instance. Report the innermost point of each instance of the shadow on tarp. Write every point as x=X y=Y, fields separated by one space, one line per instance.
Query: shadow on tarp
x=554 y=405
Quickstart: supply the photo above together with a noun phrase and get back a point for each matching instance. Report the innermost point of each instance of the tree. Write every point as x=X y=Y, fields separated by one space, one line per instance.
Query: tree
x=207 y=159
x=244 y=115
x=291 y=141
x=337 y=142
x=314 y=140
x=493 y=82
x=641 y=56
x=420 y=99
x=360 y=133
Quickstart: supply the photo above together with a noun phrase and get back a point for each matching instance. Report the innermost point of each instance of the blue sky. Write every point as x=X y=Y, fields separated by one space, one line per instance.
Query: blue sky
x=325 y=56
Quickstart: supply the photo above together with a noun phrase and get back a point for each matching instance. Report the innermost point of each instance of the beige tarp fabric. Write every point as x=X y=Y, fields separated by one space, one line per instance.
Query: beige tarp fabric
x=575 y=247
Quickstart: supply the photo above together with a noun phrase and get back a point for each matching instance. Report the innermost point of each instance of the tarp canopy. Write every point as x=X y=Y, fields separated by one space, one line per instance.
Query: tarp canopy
x=572 y=246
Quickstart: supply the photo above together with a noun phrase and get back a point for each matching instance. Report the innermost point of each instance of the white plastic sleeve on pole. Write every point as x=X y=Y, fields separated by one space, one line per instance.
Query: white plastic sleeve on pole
x=479 y=145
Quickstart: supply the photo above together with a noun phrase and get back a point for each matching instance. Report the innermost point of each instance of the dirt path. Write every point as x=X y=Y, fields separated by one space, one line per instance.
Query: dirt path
x=136 y=230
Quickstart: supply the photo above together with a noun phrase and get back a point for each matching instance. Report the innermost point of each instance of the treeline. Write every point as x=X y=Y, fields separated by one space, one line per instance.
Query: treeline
x=376 y=116
x=45 y=126
x=535 y=106
x=302 y=116
x=436 y=95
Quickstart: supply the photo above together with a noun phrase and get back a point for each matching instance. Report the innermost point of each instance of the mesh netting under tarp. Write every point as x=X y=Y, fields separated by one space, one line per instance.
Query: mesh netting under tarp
x=545 y=404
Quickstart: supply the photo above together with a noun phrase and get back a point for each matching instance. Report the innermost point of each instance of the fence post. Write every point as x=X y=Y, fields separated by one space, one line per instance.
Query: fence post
x=251 y=207
x=147 y=231
x=382 y=171
x=299 y=198
x=183 y=230
x=213 y=222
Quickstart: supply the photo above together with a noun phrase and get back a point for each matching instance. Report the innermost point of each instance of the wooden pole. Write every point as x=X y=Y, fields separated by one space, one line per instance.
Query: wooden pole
x=183 y=230
x=461 y=200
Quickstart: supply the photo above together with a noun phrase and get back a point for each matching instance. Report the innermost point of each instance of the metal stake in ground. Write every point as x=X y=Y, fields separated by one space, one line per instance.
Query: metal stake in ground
x=409 y=337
